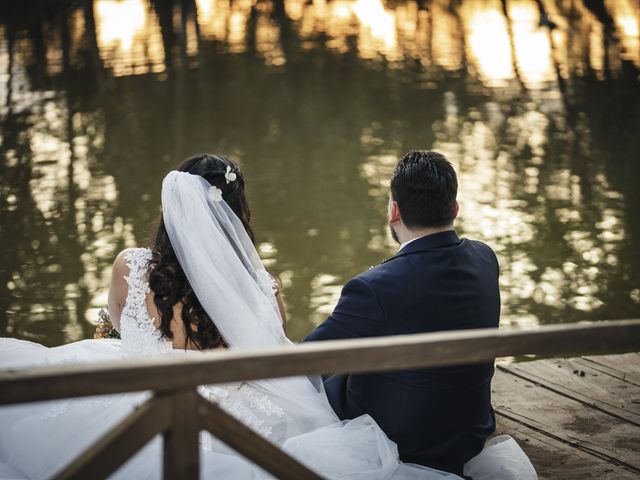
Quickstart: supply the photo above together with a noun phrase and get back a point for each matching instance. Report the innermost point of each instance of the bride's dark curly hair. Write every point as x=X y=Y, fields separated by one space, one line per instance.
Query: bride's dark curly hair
x=168 y=282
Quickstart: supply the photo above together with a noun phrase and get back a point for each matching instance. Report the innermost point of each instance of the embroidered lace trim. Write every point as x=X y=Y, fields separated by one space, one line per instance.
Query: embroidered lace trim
x=139 y=334
x=245 y=403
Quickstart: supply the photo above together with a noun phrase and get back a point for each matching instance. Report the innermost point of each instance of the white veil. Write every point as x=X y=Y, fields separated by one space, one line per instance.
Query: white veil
x=221 y=263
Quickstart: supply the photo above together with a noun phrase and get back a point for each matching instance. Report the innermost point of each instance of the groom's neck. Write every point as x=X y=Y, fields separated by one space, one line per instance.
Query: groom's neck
x=408 y=234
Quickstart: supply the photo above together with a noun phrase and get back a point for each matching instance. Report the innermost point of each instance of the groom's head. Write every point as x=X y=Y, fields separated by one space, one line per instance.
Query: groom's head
x=423 y=194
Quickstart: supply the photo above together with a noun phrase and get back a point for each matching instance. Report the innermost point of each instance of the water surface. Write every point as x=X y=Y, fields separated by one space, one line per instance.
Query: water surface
x=537 y=103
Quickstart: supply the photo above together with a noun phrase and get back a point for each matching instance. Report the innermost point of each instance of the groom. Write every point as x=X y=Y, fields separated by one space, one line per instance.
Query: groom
x=439 y=417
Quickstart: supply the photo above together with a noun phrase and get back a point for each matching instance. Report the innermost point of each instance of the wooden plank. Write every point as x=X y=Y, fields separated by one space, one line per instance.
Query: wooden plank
x=362 y=355
x=182 y=438
x=605 y=370
x=250 y=444
x=581 y=382
x=554 y=459
x=120 y=443
x=627 y=377
x=625 y=367
x=629 y=363
x=568 y=421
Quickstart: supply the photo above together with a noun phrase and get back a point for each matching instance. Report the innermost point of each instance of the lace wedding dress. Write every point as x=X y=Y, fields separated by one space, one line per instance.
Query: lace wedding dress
x=38 y=439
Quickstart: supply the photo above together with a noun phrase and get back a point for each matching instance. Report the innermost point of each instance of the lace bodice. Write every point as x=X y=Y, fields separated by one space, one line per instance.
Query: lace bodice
x=139 y=334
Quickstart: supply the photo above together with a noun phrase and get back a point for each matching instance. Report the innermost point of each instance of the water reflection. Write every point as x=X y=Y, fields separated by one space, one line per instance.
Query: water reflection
x=129 y=37
x=487 y=36
x=536 y=102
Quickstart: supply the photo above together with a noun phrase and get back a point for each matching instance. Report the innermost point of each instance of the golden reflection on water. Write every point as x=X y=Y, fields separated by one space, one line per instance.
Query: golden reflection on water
x=625 y=14
x=487 y=38
x=378 y=28
x=596 y=51
x=213 y=18
x=129 y=37
x=532 y=45
x=502 y=153
x=445 y=44
x=499 y=47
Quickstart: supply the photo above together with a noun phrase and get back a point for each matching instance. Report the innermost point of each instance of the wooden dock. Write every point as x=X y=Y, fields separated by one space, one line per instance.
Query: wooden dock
x=577 y=418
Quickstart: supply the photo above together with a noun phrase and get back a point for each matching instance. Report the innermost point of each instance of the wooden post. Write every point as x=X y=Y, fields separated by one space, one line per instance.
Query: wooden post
x=181 y=440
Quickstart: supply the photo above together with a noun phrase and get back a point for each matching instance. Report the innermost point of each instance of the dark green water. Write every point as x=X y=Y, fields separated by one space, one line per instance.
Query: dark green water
x=317 y=101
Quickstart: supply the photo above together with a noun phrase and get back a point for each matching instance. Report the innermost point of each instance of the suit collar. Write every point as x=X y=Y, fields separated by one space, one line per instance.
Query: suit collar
x=435 y=240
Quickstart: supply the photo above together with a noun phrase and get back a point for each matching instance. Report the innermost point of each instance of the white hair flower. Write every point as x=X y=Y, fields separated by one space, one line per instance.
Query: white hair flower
x=229 y=175
x=215 y=193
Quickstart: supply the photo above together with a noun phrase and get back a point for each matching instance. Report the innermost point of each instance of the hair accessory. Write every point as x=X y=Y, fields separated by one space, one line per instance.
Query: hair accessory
x=215 y=193
x=229 y=175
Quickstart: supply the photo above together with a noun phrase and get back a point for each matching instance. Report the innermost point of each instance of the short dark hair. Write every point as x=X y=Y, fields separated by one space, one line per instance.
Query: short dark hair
x=425 y=185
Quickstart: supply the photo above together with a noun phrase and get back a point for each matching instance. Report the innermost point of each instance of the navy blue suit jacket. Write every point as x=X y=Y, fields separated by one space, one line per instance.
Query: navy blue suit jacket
x=439 y=417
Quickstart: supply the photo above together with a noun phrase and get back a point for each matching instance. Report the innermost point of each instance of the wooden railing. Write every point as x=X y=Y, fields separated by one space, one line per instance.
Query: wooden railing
x=179 y=413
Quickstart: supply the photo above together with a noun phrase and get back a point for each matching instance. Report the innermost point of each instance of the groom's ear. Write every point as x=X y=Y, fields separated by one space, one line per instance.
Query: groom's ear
x=456 y=209
x=394 y=212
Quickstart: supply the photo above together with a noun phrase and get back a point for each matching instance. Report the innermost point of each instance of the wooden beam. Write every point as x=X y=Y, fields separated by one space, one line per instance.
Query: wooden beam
x=182 y=439
x=362 y=355
x=119 y=444
x=251 y=445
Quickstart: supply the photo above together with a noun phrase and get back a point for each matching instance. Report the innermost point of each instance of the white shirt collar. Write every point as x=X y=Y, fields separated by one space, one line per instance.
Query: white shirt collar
x=409 y=241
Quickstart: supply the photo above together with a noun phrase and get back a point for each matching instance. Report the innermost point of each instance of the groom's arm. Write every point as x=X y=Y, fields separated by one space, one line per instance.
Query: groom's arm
x=358 y=314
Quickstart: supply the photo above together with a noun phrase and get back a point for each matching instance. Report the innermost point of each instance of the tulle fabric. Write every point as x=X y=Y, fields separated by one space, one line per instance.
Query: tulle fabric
x=501 y=457
x=38 y=439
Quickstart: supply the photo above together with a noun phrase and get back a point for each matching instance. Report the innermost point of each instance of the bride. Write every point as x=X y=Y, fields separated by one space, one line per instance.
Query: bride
x=202 y=286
